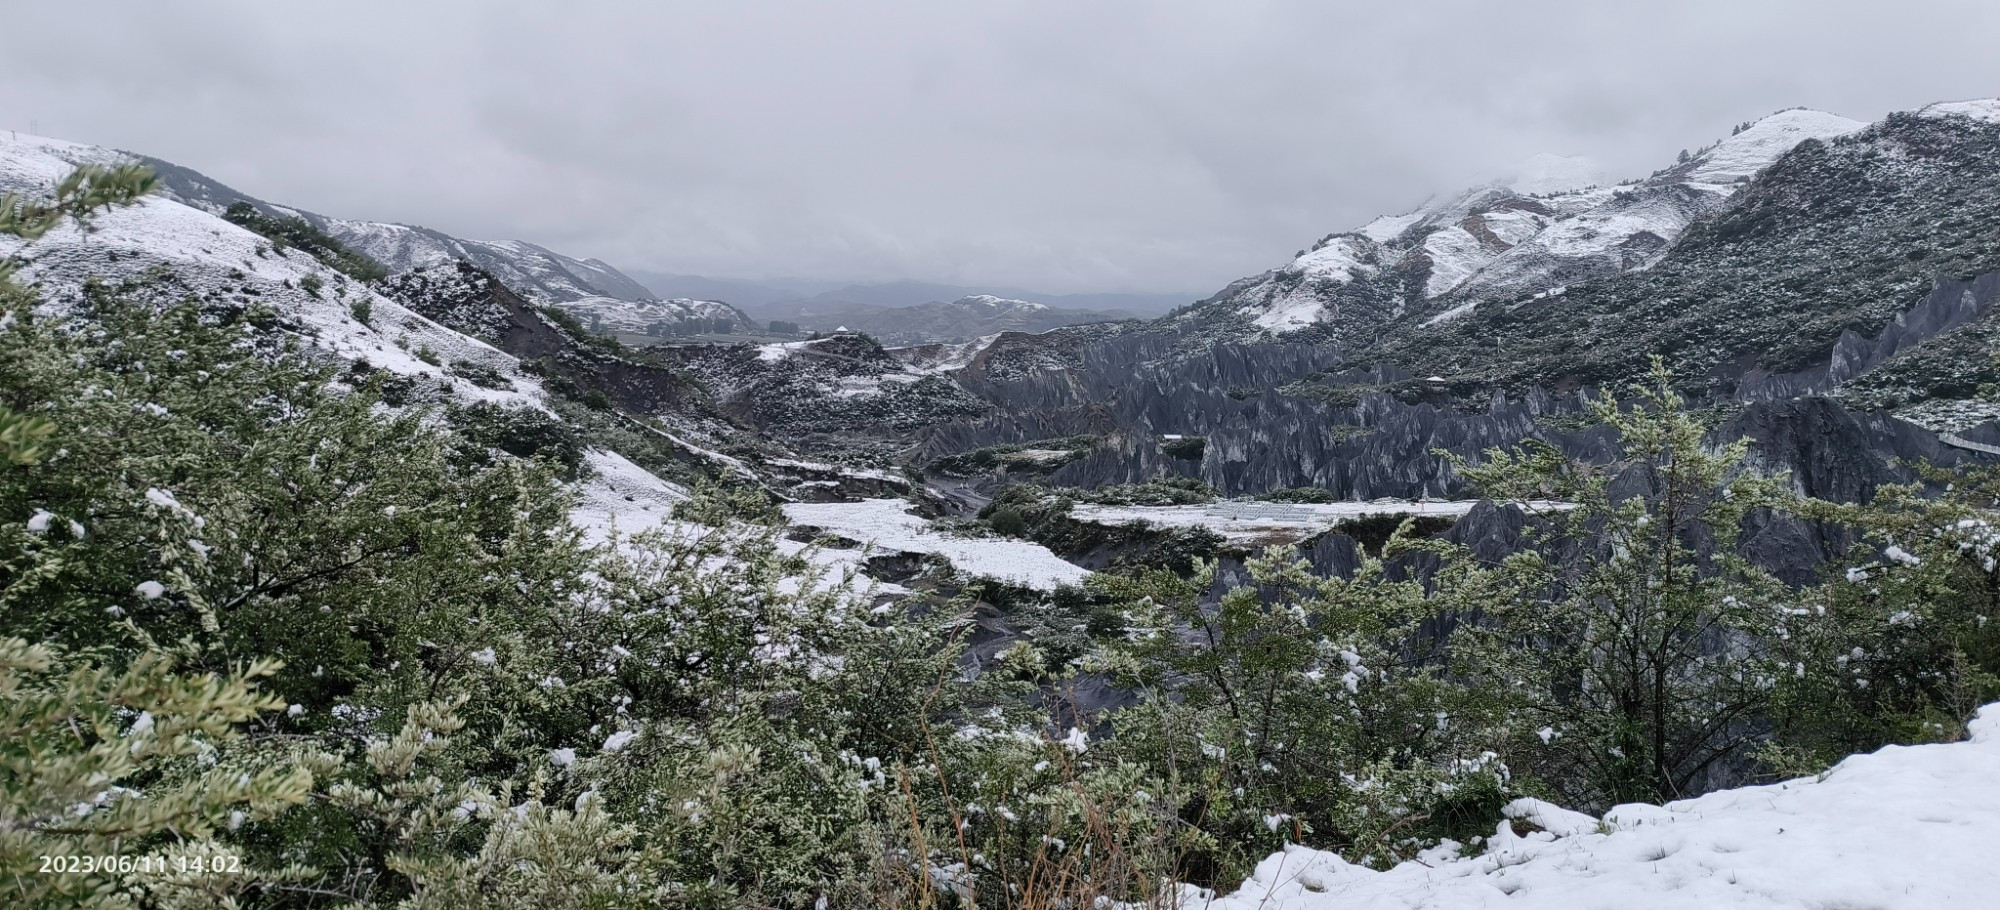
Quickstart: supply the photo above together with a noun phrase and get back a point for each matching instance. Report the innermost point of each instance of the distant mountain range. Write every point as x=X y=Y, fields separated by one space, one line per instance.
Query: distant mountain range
x=964 y=319
x=794 y=300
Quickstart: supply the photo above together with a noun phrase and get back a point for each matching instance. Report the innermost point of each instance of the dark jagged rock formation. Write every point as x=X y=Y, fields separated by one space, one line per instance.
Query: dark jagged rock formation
x=1950 y=305
x=465 y=298
x=1835 y=454
x=845 y=385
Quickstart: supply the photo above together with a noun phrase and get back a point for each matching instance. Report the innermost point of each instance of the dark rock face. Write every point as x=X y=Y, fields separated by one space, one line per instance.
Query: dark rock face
x=1834 y=454
x=1950 y=305
x=845 y=384
x=467 y=299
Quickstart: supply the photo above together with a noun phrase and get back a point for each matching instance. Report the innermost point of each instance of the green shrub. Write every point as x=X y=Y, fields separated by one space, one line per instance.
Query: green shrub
x=1188 y=448
x=1300 y=494
x=1163 y=491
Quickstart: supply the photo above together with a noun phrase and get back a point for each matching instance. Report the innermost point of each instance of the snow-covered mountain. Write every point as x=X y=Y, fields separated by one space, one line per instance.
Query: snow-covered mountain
x=544 y=276
x=1554 y=222
x=659 y=317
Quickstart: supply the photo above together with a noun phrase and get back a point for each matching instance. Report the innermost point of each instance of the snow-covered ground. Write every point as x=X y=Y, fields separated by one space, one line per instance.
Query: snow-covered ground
x=1905 y=828
x=820 y=467
x=887 y=524
x=1983 y=109
x=1741 y=156
x=621 y=498
x=1249 y=522
x=931 y=359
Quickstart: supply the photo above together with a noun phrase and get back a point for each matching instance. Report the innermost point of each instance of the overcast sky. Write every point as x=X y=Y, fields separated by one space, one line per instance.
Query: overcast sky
x=1069 y=145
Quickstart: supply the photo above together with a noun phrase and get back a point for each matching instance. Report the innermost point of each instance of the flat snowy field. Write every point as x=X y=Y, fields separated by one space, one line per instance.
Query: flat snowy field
x=1251 y=522
x=888 y=525
x=1905 y=828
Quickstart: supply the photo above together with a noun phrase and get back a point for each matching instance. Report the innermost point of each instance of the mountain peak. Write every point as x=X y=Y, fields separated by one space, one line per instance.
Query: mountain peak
x=1764 y=141
x=1550 y=173
x=989 y=300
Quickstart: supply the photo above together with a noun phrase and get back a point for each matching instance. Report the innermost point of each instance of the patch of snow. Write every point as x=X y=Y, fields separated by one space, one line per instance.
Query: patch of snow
x=1389 y=227
x=772 y=353
x=1767 y=140
x=1341 y=259
x=930 y=359
x=1453 y=313
x=620 y=495
x=1455 y=254
x=1903 y=828
x=1292 y=312
x=888 y=525
x=1986 y=110
x=988 y=300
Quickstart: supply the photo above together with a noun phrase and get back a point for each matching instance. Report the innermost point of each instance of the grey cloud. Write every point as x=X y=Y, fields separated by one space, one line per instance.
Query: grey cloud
x=1112 y=145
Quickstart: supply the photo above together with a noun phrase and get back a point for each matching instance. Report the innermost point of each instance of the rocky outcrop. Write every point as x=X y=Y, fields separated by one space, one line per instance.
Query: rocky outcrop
x=1950 y=305
x=465 y=298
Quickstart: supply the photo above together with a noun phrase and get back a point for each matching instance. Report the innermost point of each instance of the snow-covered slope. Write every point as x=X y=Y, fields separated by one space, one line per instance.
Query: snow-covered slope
x=1905 y=828
x=533 y=271
x=640 y=317
x=215 y=261
x=1553 y=223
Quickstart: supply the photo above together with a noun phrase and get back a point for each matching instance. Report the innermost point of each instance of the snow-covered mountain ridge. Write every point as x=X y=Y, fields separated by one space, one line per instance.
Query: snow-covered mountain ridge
x=585 y=286
x=1551 y=225
x=174 y=251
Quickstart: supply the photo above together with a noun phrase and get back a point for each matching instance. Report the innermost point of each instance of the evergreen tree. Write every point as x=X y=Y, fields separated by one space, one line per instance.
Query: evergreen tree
x=1636 y=638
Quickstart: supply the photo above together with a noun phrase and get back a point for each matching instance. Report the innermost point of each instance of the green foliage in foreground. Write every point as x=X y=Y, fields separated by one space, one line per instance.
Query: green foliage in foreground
x=477 y=707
